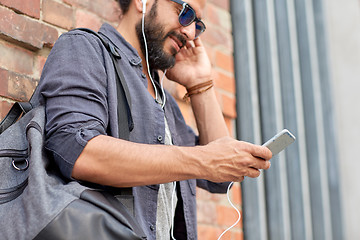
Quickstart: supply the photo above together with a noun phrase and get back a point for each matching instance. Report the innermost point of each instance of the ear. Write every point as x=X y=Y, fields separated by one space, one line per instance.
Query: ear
x=141 y=5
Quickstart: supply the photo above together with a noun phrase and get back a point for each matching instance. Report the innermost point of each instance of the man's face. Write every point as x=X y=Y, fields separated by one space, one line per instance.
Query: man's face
x=156 y=37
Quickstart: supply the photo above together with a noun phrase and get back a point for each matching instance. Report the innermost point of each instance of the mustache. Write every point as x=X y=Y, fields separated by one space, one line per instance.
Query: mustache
x=180 y=37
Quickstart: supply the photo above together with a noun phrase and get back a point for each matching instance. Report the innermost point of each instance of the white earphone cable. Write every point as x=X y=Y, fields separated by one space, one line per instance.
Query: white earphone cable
x=147 y=55
x=238 y=220
x=162 y=88
x=173 y=211
x=148 y=67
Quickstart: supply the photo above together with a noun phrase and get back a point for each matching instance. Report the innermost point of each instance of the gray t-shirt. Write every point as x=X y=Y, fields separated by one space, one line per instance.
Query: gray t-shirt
x=167 y=200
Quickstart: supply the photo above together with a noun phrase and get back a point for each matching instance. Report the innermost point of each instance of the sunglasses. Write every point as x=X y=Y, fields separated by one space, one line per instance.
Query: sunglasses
x=187 y=16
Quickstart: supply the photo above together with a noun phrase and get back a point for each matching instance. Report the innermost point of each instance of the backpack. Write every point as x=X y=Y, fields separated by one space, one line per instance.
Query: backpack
x=35 y=203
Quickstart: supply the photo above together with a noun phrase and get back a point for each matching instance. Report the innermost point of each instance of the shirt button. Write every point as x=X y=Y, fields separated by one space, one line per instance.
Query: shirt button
x=160 y=138
x=152 y=228
x=143 y=75
x=82 y=133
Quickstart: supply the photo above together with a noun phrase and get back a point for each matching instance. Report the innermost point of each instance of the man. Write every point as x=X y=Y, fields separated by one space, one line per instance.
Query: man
x=79 y=92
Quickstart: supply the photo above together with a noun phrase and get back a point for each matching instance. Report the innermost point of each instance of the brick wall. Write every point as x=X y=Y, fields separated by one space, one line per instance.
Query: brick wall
x=28 y=30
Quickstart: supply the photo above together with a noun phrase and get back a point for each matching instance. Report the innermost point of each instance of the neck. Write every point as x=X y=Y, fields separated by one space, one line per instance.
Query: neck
x=127 y=29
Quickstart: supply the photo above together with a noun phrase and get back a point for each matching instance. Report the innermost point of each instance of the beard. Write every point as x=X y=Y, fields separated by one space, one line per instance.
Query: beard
x=155 y=38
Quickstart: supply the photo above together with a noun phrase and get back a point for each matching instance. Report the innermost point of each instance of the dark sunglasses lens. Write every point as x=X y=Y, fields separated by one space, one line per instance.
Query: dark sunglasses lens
x=200 y=28
x=187 y=16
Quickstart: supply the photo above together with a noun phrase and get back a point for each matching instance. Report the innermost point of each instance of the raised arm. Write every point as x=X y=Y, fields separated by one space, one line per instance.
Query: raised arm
x=193 y=68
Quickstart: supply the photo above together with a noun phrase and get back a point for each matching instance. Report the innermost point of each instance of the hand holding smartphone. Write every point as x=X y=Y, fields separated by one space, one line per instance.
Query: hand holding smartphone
x=280 y=141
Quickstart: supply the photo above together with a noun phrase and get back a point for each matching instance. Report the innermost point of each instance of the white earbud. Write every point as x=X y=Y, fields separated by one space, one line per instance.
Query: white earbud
x=144 y=6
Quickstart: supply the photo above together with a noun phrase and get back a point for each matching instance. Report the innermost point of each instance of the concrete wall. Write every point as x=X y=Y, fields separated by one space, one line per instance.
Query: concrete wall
x=343 y=22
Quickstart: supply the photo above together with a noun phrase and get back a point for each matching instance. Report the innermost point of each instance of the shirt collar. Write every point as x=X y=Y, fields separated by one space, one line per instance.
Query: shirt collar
x=125 y=47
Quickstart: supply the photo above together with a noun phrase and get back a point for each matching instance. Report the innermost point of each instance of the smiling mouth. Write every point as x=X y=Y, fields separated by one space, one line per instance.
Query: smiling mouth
x=178 y=43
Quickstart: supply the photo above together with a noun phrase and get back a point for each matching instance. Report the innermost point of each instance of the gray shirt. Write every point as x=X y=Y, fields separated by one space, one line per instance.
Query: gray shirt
x=78 y=90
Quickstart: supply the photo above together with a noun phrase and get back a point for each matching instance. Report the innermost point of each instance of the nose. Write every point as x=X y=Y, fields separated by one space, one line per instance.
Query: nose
x=189 y=31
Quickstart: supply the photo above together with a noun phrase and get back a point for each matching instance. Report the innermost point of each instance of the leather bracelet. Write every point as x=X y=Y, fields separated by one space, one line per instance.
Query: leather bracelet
x=197 y=89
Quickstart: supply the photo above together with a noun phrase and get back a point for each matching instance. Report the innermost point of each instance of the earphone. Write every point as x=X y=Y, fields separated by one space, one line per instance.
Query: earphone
x=144 y=6
x=147 y=59
x=238 y=212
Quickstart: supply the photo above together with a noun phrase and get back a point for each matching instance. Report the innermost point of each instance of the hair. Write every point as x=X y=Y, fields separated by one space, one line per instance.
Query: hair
x=124 y=5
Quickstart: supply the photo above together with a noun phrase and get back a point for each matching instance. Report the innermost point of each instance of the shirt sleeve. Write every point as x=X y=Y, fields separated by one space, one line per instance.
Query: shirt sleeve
x=73 y=88
x=212 y=186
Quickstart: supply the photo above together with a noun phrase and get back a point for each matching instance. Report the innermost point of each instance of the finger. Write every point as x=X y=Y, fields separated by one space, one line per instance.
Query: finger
x=253 y=172
x=189 y=44
x=240 y=179
x=198 y=42
x=261 y=152
x=260 y=163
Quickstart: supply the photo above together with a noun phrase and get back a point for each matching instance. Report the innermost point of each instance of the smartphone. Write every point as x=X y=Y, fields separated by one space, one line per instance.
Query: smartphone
x=280 y=141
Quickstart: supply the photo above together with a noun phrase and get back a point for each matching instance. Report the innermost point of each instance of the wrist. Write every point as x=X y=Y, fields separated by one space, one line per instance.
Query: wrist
x=196 y=81
x=198 y=88
x=194 y=158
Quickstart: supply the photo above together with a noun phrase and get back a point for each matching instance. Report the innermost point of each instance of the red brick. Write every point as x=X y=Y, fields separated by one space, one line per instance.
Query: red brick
x=225 y=61
x=229 y=106
x=4 y=108
x=224 y=4
x=206 y=232
x=25 y=31
x=3 y=83
x=16 y=59
x=230 y=125
x=27 y=7
x=106 y=9
x=227 y=216
x=39 y=63
x=225 y=82
x=211 y=15
x=217 y=197
x=226 y=236
x=238 y=236
x=202 y=195
x=58 y=14
x=218 y=17
x=236 y=194
x=217 y=36
x=87 y=20
x=16 y=86
x=211 y=54
x=206 y=212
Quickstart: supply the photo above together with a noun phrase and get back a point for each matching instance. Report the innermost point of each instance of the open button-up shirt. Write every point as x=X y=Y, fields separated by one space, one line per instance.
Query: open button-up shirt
x=78 y=90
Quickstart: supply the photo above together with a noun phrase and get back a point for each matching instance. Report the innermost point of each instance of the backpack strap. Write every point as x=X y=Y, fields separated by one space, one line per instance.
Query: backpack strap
x=16 y=111
x=123 y=94
x=124 y=101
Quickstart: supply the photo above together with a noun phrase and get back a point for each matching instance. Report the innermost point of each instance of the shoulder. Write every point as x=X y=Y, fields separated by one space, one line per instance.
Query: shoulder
x=78 y=37
x=81 y=46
